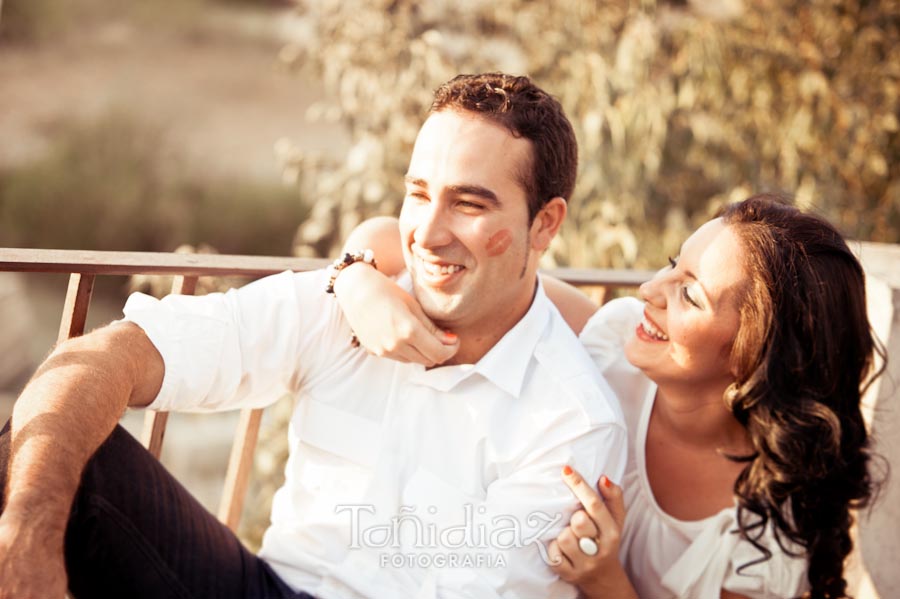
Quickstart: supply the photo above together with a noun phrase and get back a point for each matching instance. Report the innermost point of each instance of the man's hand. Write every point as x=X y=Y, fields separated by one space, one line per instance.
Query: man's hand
x=31 y=561
x=388 y=321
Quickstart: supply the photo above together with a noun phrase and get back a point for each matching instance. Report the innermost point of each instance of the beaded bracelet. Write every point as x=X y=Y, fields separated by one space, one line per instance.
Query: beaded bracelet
x=367 y=256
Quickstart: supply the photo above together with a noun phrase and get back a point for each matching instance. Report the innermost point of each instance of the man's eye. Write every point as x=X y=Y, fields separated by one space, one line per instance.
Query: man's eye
x=470 y=205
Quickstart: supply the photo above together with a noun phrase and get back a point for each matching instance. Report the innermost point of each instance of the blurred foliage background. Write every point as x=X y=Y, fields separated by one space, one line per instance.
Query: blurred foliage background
x=679 y=107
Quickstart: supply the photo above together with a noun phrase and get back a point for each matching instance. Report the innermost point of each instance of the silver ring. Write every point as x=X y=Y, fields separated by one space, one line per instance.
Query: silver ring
x=588 y=546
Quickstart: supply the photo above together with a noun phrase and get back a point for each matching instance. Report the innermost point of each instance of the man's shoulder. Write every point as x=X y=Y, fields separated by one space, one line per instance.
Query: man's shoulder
x=561 y=353
x=565 y=369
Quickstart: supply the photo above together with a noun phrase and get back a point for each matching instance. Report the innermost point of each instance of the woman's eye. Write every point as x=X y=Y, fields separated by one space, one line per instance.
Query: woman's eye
x=687 y=297
x=673 y=262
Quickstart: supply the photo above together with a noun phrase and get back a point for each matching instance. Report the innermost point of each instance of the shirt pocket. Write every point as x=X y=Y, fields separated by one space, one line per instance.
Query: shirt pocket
x=336 y=454
x=338 y=432
x=438 y=503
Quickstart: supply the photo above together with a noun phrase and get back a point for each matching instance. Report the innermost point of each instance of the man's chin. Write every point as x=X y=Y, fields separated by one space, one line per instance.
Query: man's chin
x=442 y=317
x=438 y=311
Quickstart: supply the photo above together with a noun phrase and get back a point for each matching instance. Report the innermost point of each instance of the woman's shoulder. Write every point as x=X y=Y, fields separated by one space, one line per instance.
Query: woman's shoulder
x=606 y=332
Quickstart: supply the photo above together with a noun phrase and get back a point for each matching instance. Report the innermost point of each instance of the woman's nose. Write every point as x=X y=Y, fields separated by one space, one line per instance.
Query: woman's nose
x=653 y=291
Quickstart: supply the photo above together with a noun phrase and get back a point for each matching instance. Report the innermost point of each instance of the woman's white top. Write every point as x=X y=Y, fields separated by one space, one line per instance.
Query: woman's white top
x=665 y=557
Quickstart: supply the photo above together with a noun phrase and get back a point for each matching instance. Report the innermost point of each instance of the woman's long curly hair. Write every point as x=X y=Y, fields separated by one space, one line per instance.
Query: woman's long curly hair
x=803 y=356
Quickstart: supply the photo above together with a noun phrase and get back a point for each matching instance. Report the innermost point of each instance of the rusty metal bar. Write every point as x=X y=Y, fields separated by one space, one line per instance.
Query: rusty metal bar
x=130 y=263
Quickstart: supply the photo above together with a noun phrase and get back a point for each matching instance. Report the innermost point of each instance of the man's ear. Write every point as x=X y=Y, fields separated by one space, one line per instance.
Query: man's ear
x=546 y=223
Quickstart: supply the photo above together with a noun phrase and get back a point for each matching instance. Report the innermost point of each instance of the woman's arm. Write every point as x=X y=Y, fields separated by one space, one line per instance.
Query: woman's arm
x=576 y=308
x=387 y=320
x=380 y=234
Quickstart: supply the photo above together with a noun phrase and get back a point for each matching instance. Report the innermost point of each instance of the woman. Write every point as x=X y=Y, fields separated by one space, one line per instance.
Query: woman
x=740 y=376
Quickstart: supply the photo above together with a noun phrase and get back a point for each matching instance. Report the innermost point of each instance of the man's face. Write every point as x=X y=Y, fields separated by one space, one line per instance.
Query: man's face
x=464 y=222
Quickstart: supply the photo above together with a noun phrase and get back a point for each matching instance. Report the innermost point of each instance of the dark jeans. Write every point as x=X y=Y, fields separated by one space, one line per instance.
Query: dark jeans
x=136 y=532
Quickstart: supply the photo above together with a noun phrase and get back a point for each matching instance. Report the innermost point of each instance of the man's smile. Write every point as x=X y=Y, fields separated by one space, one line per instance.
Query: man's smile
x=438 y=273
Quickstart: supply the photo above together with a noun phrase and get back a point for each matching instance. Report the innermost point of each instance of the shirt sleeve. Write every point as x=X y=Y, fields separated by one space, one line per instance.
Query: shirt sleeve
x=605 y=333
x=532 y=506
x=244 y=348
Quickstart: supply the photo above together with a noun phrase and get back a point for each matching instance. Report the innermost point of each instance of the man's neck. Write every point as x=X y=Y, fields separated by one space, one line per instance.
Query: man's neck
x=476 y=339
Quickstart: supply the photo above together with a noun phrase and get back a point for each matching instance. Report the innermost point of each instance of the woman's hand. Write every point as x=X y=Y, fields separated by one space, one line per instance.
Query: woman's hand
x=596 y=528
x=388 y=321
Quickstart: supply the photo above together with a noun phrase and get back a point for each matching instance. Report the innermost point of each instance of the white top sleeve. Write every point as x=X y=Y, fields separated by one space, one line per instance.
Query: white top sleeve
x=718 y=558
x=605 y=333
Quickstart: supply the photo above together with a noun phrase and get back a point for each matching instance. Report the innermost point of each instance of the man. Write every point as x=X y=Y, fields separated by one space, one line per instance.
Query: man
x=402 y=481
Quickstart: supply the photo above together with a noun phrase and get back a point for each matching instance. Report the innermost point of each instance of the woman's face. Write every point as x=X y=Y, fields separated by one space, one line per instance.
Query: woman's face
x=691 y=313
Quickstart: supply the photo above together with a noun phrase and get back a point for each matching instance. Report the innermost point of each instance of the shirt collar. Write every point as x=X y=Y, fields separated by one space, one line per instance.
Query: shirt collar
x=506 y=363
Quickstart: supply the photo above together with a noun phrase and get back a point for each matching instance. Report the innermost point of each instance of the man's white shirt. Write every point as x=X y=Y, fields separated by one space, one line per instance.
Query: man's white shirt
x=401 y=481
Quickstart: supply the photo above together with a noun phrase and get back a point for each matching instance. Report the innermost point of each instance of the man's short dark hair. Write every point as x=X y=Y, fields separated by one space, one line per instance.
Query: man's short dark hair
x=527 y=111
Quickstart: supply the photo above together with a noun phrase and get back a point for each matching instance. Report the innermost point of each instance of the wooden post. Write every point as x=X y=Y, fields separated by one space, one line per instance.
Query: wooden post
x=78 y=299
x=239 y=466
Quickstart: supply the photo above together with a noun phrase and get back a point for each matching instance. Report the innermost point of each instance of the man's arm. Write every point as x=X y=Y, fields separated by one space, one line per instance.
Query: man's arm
x=66 y=411
x=541 y=507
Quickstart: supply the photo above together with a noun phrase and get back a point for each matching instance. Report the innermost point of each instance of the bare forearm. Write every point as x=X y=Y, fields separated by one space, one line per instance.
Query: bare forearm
x=66 y=411
x=575 y=307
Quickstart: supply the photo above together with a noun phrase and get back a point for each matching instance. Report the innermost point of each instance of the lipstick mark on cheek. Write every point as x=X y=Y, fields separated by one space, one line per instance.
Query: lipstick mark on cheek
x=498 y=243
